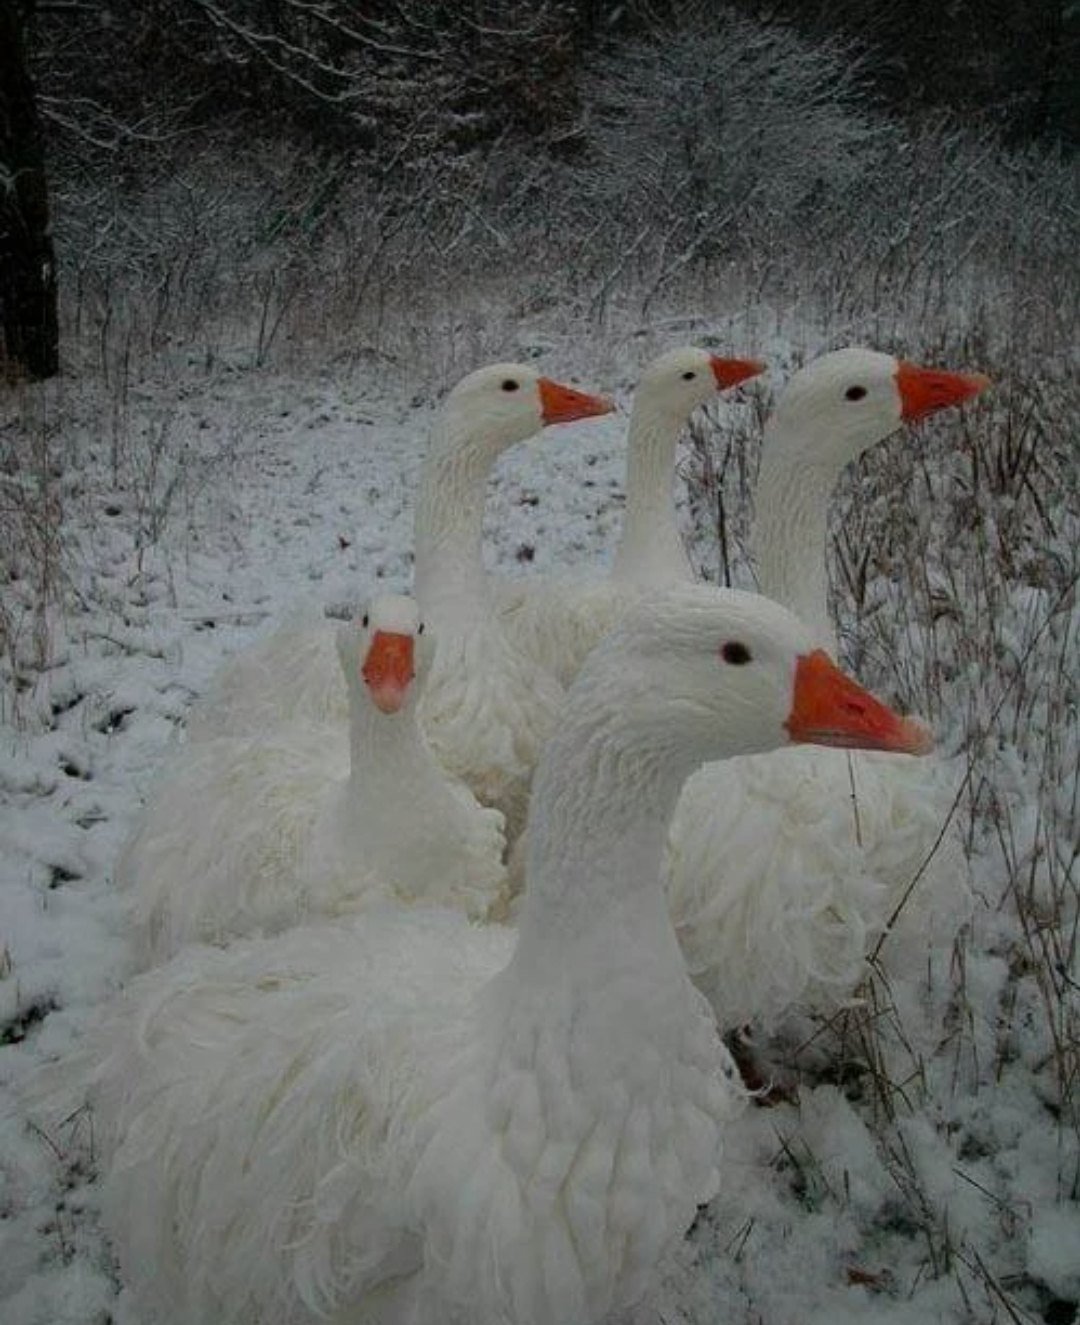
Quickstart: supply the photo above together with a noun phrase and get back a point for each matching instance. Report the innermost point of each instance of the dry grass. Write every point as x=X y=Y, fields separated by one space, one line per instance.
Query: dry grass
x=31 y=539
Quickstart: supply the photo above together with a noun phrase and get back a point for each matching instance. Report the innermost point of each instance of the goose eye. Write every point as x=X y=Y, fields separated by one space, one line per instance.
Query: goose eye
x=510 y=385
x=735 y=653
x=364 y=622
x=855 y=393
x=420 y=628
x=689 y=376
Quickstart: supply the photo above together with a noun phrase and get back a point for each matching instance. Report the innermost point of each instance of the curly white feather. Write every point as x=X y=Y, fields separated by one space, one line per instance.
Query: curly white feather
x=309 y=1127
x=290 y=676
x=782 y=873
x=558 y=623
x=487 y=711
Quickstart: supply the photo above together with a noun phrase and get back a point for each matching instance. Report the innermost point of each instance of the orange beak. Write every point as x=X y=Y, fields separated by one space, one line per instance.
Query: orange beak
x=388 y=669
x=730 y=372
x=924 y=391
x=562 y=404
x=829 y=708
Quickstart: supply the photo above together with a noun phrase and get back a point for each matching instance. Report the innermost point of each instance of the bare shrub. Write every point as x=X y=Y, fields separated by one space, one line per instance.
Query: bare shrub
x=722 y=132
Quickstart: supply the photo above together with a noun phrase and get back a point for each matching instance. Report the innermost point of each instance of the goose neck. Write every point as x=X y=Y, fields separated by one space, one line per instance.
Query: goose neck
x=790 y=530
x=650 y=552
x=597 y=827
x=449 y=577
x=385 y=750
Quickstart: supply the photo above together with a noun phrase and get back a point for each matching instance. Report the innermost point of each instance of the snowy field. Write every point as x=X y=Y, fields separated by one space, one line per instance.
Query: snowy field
x=930 y=1168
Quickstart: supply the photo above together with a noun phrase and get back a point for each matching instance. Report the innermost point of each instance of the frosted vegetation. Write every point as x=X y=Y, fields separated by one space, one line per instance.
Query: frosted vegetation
x=737 y=188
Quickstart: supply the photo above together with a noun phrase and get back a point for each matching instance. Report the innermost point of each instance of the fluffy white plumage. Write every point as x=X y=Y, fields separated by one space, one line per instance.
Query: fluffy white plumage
x=290 y=676
x=406 y=1118
x=557 y=622
x=818 y=852
x=783 y=872
x=487 y=712
x=246 y=835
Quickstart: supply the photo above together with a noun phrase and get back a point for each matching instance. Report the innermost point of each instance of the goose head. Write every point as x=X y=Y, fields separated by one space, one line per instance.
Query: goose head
x=385 y=652
x=679 y=381
x=716 y=673
x=836 y=407
x=502 y=404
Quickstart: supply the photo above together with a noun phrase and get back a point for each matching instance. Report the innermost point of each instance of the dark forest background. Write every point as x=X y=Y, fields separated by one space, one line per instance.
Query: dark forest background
x=221 y=153
x=381 y=76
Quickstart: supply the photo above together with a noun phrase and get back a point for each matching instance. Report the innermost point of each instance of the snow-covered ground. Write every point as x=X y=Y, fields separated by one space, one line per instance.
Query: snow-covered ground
x=941 y=1185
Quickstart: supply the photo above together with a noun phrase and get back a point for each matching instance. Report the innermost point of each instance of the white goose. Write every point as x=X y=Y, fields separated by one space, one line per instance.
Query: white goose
x=487 y=706
x=558 y=622
x=245 y=835
x=782 y=872
x=411 y=1119
x=293 y=675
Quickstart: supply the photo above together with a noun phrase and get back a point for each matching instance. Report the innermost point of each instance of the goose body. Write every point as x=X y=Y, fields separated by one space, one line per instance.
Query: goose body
x=783 y=872
x=557 y=622
x=288 y=677
x=246 y=835
x=818 y=852
x=412 y=1119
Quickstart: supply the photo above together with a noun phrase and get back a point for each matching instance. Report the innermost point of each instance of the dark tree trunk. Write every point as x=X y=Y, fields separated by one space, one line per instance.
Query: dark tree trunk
x=27 y=264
